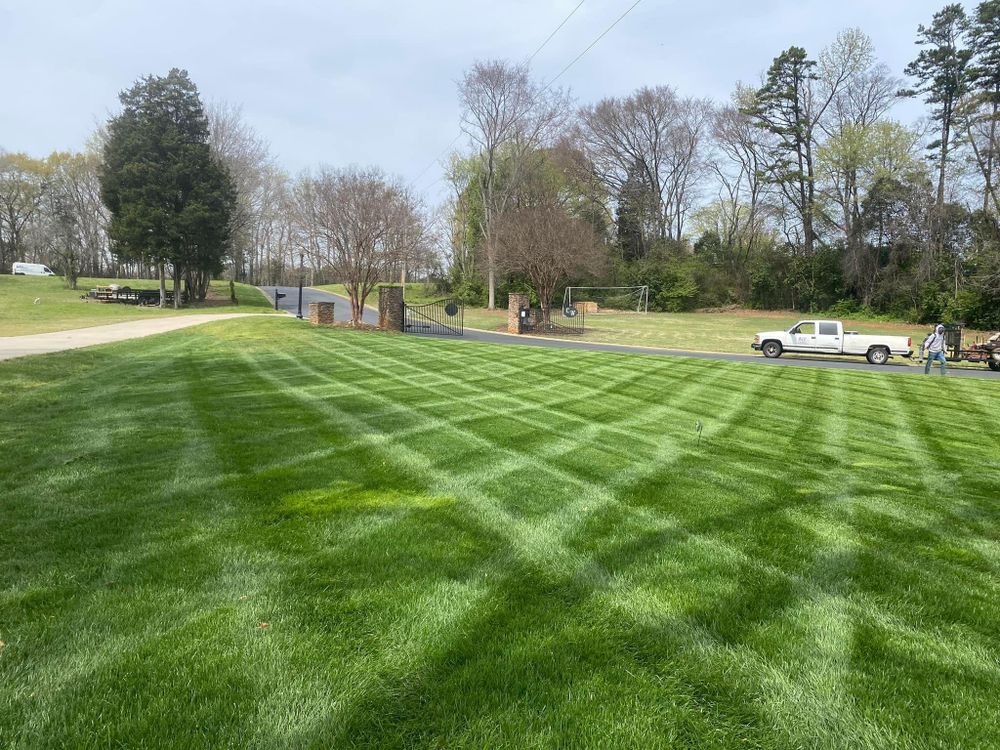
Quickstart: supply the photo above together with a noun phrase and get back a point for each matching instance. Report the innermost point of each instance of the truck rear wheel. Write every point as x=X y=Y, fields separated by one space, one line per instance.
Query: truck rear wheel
x=771 y=349
x=878 y=355
x=995 y=364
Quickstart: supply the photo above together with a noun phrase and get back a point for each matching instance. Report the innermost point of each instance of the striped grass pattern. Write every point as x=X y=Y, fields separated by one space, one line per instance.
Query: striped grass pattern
x=259 y=534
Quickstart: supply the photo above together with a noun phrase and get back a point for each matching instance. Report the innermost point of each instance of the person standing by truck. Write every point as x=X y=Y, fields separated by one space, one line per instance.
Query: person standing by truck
x=935 y=346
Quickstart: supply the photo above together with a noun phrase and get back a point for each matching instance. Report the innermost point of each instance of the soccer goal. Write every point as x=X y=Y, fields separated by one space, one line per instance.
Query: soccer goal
x=598 y=299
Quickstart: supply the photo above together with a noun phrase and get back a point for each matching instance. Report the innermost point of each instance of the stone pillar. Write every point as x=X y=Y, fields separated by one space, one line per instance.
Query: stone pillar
x=515 y=301
x=390 y=308
x=321 y=313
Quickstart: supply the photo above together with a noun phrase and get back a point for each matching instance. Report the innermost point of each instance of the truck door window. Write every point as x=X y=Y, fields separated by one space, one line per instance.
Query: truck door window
x=805 y=329
x=827 y=329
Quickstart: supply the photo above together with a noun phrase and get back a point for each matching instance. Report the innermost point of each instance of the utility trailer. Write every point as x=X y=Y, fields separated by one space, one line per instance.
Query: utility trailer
x=127 y=296
x=986 y=351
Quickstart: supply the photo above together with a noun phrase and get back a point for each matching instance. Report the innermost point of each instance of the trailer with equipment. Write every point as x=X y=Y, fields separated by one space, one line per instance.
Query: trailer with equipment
x=986 y=351
x=127 y=296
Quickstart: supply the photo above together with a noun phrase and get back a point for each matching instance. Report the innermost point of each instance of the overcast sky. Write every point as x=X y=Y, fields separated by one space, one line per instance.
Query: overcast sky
x=372 y=81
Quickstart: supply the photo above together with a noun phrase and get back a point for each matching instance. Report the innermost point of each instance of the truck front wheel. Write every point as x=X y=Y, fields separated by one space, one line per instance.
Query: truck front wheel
x=771 y=349
x=995 y=364
x=878 y=356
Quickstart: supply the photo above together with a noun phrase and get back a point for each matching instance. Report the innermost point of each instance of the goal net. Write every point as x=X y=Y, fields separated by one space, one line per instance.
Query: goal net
x=598 y=299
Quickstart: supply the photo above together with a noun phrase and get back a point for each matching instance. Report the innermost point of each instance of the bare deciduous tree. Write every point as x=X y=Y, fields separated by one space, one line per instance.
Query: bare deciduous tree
x=360 y=224
x=739 y=166
x=657 y=134
x=76 y=219
x=22 y=189
x=863 y=91
x=548 y=246
x=507 y=116
x=260 y=191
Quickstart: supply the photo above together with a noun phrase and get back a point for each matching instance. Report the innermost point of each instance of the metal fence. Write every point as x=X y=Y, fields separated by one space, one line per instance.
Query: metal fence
x=441 y=318
x=566 y=322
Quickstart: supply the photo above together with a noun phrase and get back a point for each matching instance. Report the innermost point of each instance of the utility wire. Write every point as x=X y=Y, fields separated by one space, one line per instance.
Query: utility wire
x=572 y=62
x=447 y=148
x=556 y=31
x=437 y=158
x=592 y=44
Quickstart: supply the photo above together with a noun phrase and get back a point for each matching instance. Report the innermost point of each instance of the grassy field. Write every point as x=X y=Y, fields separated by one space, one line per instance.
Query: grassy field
x=58 y=308
x=700 y=331
x=261 y=534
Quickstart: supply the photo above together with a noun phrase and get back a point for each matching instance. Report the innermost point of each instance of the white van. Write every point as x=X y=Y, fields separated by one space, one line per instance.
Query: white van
x=31 y=269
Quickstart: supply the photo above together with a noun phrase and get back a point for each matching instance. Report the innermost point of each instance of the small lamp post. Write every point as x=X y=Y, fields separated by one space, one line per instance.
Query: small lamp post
x=302 y=265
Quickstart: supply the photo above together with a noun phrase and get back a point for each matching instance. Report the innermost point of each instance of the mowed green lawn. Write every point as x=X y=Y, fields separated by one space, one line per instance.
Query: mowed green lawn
x=38 y=304
x=261 y=534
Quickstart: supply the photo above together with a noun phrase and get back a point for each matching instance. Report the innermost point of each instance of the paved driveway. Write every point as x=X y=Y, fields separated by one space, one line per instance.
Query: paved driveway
x=342 y=308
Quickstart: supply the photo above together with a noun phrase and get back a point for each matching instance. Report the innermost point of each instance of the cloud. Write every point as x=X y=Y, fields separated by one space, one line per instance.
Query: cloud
x=374 y=82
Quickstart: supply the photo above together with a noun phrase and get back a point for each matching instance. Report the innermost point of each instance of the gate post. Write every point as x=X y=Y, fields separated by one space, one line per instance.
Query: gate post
x=390 y=308
x=515 y=301
x=321 y=313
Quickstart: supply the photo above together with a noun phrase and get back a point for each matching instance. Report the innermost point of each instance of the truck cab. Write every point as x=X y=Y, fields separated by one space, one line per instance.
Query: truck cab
x=817 y=336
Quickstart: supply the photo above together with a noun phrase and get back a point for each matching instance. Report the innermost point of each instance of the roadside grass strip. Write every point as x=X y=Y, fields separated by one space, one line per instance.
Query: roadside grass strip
x=258 y=534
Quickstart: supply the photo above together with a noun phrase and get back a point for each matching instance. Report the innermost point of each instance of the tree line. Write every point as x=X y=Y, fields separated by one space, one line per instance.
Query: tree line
x=173 y=190
x=801 y=191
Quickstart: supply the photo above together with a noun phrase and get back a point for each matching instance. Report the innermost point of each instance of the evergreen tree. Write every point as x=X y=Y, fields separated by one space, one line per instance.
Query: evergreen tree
x=940 y=71
x=633 y=195
x=984 y=80
x=781 y=106
x=170 y=199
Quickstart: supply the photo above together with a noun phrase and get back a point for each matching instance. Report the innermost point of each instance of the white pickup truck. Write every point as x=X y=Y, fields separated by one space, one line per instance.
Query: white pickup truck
x=829 y=337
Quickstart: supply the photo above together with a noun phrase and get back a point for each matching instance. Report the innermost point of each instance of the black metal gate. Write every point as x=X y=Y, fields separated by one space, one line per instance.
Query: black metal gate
x=568 y=322
x=441 y=318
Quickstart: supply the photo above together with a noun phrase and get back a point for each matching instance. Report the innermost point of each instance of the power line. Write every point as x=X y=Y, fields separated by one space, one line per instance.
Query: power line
x=572 y=62
x=592 y=44
x=556 y=31
x=447 y=148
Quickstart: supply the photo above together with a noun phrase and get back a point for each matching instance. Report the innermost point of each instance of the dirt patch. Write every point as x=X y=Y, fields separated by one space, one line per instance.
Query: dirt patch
x=216 y=298
x=743 y=312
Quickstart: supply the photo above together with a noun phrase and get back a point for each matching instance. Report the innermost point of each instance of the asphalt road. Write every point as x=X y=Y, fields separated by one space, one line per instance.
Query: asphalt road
x=290 y=302
x=898 y=366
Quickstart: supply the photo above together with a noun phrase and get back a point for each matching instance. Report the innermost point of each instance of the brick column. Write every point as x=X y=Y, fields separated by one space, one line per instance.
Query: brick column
x=390 y=308
x=321 y=313
x=515 y=301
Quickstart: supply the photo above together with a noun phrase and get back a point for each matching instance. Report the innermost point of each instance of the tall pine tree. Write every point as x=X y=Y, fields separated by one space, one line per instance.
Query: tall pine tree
x=984 y=81
x=781 y=107
x=940 y=71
